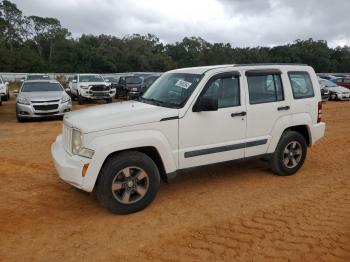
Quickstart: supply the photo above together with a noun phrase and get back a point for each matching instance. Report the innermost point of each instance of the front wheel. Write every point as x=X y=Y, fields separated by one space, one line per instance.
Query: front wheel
x=290 y=154
x=128 y=182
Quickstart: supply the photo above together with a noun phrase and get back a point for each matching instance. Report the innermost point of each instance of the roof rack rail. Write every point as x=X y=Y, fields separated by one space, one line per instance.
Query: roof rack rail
x=267 y=64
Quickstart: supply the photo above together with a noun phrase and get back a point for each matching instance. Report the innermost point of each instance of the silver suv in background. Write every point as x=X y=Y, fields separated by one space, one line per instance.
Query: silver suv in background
x=42 y=98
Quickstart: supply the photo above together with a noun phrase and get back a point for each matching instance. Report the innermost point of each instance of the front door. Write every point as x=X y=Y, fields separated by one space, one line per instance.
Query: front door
x=215 y=136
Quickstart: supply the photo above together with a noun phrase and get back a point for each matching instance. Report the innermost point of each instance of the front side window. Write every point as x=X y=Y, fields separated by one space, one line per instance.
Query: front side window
x=172 y=89
x=265 y=88
x=225 y=89
x=301 y=85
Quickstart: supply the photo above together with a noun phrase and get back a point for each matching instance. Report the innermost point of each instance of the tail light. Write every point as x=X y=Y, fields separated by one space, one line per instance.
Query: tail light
x=319 y=112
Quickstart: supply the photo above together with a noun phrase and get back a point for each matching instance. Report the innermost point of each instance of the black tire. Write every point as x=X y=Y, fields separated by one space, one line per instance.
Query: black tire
x=80 y=99
x=109 y=100
x=20 y=119
x=112 y=169
x=280 y=157
x=5 y=98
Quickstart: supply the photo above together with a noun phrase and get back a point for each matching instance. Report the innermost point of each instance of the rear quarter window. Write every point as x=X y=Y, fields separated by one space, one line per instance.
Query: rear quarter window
x=301 y=85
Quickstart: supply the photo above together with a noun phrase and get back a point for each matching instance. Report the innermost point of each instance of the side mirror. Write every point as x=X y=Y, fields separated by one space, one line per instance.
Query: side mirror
x=74 y=81
x=67 y=90
x=206 y=104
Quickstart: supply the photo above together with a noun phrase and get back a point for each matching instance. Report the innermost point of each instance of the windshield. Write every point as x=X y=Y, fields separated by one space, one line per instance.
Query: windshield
x=41 y=87
x=111 y=79
x=37 y=77
x=327 y=83
x=90 y=78
x=133 y=80
x=172 y=89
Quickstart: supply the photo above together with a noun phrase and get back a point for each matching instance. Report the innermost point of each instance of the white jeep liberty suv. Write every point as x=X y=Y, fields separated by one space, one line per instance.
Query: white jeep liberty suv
x=190 y=117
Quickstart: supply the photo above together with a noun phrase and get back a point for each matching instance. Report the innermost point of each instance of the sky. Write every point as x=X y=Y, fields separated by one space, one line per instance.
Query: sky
x=241 y=23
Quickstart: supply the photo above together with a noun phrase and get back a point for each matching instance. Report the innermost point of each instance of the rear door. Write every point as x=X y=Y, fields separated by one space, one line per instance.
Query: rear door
x=267 y=103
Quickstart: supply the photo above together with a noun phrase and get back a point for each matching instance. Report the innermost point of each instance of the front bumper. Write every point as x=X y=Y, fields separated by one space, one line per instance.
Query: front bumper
x=86 y=93
x=28 y=111
x=343 y=96
x=69 y=168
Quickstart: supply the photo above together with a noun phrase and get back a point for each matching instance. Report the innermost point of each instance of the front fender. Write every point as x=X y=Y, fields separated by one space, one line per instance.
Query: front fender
x=108 y=144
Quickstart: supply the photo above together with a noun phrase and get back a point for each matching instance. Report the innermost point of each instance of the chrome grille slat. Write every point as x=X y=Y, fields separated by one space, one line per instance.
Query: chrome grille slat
x=66 y=137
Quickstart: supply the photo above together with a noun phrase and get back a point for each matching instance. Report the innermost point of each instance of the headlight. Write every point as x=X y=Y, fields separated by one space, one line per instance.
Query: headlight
x=65 y=99
x=23 y=100
x=77 y=145
x=85 y=152
x=76 y=141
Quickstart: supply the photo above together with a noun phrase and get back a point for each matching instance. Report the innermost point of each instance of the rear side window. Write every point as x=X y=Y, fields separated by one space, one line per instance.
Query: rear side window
x=301 y=85
x=264 y=88
x=226 y=89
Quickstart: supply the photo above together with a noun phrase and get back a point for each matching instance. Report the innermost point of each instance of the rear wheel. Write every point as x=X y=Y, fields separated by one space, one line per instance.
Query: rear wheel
x=5 y=98
x=128 y=182
x=290 y=154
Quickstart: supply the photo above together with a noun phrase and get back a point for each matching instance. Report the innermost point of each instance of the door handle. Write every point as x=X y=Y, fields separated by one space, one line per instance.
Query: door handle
x=283 y=108
x=238 y=114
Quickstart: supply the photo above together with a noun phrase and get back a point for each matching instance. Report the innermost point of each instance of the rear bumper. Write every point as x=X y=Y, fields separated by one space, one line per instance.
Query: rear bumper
x=317 y=132
x=69 y=168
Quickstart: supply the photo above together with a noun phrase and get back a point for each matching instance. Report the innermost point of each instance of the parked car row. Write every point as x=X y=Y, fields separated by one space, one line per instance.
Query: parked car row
x=4 y=91
x=40 y=96
x=333 y=91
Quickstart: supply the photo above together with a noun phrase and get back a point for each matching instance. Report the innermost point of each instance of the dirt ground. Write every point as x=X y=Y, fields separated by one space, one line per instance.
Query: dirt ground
x=231 y=212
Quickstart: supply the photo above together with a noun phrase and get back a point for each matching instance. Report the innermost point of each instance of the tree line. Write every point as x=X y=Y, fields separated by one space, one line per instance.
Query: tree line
x=41 y=44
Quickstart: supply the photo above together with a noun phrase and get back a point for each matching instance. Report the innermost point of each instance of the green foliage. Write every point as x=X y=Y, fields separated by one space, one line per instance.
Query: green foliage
x=41 y=44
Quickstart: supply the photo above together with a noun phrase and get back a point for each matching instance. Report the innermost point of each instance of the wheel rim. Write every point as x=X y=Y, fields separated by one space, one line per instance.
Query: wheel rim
x=292 y=154
x=130 y=185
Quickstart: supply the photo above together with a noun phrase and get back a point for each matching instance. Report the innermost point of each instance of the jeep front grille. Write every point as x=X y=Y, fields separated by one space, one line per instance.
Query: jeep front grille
x=67 y=137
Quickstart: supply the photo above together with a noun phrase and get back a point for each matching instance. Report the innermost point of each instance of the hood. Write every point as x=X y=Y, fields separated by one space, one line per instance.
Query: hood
x=42 y=96
x=91 y=83
x=117 y=115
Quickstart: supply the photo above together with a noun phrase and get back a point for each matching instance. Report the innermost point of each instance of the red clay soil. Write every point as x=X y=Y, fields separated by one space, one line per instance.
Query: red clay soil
x=231 y=212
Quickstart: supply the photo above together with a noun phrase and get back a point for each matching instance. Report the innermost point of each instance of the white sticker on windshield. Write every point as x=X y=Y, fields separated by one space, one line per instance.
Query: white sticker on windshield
x=183 y=84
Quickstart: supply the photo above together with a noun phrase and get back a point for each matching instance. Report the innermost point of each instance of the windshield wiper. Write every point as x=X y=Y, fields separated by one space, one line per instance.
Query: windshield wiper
x=159 y=103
